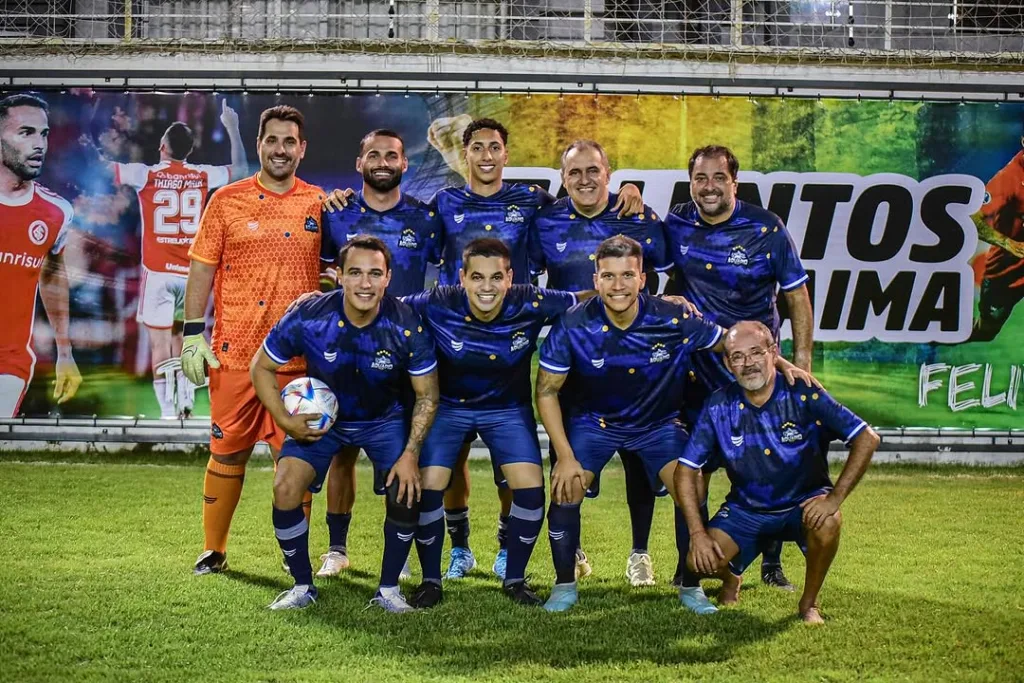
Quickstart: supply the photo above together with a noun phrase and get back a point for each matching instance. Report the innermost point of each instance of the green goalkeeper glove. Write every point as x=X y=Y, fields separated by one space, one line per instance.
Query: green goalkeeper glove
x=196 y=354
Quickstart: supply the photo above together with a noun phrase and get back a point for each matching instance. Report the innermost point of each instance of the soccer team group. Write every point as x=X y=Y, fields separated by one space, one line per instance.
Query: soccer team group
x=678 y=385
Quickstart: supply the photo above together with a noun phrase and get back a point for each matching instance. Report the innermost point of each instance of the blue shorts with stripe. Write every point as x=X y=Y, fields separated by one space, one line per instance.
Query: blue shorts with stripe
x=656 y=445
x=510 y=434
x=752 y=530
x=382 y=440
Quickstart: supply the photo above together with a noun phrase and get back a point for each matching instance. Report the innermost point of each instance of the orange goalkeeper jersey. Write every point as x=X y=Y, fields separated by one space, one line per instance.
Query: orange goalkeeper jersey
x=266 y=247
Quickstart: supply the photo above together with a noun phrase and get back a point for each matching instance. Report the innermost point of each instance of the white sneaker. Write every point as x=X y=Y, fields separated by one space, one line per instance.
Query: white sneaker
x=298 y=597
x=391 y=600
x=639 y=570
x=334 y=562
x=405 y=574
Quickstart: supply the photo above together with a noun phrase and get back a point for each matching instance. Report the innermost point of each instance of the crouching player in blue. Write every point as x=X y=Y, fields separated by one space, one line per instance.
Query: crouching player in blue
x=362 y=344
x=768 y=437
x=486 y=333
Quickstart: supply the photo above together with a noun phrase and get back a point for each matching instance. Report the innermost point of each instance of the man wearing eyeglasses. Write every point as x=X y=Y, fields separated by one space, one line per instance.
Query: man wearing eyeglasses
x=731 y=259
x=768 y=436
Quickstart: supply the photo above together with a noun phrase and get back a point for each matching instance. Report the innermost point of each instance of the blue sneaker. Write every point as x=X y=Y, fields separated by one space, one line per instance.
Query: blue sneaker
x=563 y=597
x=499 y=564
x=462 y=563
x=297 y=597
x=694 y=600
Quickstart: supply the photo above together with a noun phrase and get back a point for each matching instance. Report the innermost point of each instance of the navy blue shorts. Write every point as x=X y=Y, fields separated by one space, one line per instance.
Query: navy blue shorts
x=752 y=530
x=510 y=434
x=383 y=441
x=656 y=446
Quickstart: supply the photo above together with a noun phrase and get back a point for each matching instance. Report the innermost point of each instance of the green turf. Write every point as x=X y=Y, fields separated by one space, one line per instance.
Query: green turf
x=96 y=587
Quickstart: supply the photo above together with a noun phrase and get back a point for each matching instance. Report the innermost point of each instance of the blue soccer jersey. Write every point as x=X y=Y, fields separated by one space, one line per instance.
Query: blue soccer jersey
x=732 y=271
x=506 y=215
x=367 y=368
x=625 y=378
x=486 y=365
x=774 y=454
x=411 y=230
x=564 y=242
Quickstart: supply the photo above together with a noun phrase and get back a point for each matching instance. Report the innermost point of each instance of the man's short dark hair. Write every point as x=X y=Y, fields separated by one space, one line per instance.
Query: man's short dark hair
x=22 y=100
x=484 y=124
x=619 y=246
x=383 y=133
x=583 y=144
x=716 y=151
x=179 y=140
x=283 y=112
x=486 y=247
x=367 y=242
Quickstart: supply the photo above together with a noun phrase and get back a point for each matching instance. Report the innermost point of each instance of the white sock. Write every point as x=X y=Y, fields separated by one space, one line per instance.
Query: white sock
x=186 y=391
x=166 y=405
x=390 y=591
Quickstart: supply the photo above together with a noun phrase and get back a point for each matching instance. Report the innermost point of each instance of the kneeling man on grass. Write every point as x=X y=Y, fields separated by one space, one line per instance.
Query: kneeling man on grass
x=768 y=436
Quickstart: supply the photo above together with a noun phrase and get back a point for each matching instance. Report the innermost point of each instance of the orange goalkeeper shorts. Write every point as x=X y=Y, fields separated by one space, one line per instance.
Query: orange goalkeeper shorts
x=237 y=418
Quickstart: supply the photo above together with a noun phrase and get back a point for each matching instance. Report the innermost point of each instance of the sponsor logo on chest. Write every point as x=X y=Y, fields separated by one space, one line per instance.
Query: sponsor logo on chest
x=659 y=354
x=382 y=361
x=408 y=239
x=738 y=256
x=790 y=433
x=520 y=341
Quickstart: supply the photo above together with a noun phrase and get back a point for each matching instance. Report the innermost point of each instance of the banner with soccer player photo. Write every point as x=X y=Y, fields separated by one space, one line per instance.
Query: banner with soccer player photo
x=906 y=216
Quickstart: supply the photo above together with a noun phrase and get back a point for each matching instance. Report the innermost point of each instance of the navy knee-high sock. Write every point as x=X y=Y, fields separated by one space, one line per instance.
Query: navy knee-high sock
x=564 y=534
x=397 y=541
x=525 y=521
x=640 y=500
x=430 y=534
x=684 y=577
x=292 y=532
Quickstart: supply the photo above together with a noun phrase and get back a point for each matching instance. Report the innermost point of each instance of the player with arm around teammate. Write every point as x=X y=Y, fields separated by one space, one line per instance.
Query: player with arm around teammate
x=767 y=434
x=486 y=332
x=362 y=344
x=621 y=360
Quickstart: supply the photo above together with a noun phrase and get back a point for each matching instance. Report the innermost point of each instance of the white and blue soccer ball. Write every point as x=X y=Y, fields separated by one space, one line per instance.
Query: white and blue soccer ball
x=310 y=395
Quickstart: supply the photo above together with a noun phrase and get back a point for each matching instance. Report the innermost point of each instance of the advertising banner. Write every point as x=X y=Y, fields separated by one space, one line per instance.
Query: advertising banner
x=907 y=216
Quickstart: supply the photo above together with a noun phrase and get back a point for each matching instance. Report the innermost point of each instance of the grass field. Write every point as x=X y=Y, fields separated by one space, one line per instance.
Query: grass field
x=928 y=586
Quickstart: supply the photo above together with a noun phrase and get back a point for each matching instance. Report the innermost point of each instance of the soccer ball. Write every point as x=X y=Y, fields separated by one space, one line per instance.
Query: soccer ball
x=310 y=395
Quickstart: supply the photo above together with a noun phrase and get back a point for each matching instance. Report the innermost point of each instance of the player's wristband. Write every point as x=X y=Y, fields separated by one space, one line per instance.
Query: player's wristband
x=193 y=327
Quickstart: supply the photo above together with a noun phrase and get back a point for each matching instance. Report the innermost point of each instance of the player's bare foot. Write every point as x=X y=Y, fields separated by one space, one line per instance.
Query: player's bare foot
x=730 y=594
x=811 y=615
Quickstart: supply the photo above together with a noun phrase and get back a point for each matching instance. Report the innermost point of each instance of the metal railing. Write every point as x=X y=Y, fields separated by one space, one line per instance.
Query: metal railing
x=893 y=27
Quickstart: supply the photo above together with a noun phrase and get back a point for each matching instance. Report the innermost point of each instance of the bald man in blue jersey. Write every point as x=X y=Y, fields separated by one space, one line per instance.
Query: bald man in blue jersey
x=768 y=436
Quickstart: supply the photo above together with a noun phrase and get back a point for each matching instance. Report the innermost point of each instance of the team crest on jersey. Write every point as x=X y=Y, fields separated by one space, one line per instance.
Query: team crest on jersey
x=408 y=239
x=38 y=231
x=790 y=434
x=738 y=256
x=457 y=345
x=659 y=353
x=382 y=361
x=514 y=215
x=520 y=341
x=311 y=224
x=987 y=199
x=597 y=362
x=560 y=246
x=459 y=217
x=683 y=249
x=737 y=441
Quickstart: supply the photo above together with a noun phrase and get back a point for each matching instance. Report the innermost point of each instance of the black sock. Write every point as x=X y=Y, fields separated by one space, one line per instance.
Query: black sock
x=337 y=528
x=457 y=520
